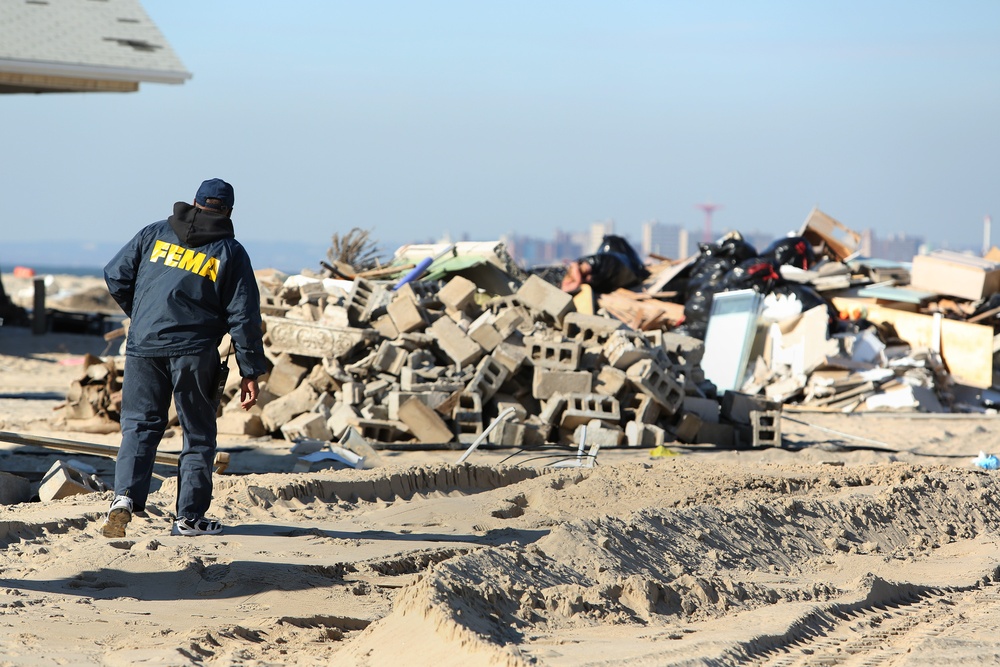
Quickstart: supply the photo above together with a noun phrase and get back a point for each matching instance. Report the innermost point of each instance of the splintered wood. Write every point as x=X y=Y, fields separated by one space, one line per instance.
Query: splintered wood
x=642 y=312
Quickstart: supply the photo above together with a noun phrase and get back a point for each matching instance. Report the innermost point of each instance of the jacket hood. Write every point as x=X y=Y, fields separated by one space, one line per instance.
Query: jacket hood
x=195 y=227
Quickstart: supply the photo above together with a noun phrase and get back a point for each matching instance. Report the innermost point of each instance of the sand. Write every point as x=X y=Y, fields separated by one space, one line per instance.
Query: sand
x=864 y=540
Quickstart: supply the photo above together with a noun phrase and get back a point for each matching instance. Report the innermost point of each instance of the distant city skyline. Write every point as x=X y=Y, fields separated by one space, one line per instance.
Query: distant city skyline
x=416 y=120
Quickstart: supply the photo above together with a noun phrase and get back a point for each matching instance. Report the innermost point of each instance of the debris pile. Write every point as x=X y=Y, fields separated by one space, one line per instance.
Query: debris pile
x=431 y=349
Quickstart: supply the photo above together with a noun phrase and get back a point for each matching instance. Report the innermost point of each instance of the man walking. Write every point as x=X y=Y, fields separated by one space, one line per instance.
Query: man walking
x=185 y=282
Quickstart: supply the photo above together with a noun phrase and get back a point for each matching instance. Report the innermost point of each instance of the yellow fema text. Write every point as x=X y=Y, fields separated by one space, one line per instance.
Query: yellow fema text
x=184 y=258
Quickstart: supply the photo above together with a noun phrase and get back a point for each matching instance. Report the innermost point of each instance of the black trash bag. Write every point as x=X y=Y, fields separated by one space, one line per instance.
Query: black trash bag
x=791 y=251
x=757 y=273
x=617 y=245
x=609 y=271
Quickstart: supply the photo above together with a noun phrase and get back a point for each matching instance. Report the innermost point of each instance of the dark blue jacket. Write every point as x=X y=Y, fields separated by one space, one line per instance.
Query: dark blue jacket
x=185 y=282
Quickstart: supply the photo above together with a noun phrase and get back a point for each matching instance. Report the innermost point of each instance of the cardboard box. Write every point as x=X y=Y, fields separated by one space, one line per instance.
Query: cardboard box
x=955 y=274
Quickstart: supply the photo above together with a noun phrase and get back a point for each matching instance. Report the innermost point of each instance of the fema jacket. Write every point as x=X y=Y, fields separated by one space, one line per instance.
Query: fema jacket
x=185 y=282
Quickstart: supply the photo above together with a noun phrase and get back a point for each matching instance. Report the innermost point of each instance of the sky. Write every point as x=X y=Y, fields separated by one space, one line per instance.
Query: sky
x=423 y=118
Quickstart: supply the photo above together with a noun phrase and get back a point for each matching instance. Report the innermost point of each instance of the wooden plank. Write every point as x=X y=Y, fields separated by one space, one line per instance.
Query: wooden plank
x=966 y=348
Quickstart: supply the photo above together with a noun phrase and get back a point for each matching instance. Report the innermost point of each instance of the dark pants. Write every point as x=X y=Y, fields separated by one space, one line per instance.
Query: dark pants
x=146 y=390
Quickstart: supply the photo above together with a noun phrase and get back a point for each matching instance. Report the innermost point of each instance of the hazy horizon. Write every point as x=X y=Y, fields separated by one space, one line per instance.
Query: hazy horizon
x=416 y=120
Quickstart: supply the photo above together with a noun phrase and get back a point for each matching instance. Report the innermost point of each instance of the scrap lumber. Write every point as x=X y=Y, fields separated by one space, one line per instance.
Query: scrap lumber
x=966 y=348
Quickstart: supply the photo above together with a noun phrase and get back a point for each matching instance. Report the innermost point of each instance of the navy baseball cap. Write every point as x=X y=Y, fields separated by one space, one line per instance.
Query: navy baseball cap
x=215 y=188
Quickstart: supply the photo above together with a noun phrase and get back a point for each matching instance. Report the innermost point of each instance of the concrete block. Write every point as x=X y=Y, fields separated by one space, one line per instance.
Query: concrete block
x=468 y=417
x=554 y=354
x=379 y=430
x=649 y=378
x=509 y=433
x=287 y=374
x=638 y=434
x=641 y=408
x=707 y=409
x=737 y=406
x=590 y=329
x=723 y=435
x=457 y=293
x=389 y=358
x=546 y=383
x=454 y=342
x=766 y=425
x=513 y=318
x=688 y=427
x=341 y=417
x=489 y=376
x=623 y=350
x=598 y=433
x=308 y=425
x=424 y=423
x=385 y=326
x=406 y=315
x=14 y=489
x=240 y=422
x=510 y=354
x=483 y=332
x=585 y=408
x=63 y=480
x=610 y=381
x=320 y=380
x=544 y=300
x=284 y=408
x=432 y=399
x=352 y=393
x=687 y=350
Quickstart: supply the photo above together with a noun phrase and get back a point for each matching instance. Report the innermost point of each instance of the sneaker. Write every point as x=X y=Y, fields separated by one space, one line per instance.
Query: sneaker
x=191 y=527
x=118 y=517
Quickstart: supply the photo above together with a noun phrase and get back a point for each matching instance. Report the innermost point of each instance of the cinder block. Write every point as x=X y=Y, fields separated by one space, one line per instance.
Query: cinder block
x=468 y=417
x=284 y=408
x=598 y=433
x=687 y=350
x=511 y=355
x=358 y=298
x=544 y=299
x=379 y=430
x=513 y=318
x=554 y=354
x=287 y=374
x=643 y=435
x=707 y=409
x=610 y=381
x=406 y=314
x=432 y=399
x=14 y=489
x=737 y=406
x=723 y=435
x=341 y=417
x=454 y=343
x=585 y=408
x=649 y=378
x=509 y=433
x=352 y=393
x=688 y=427
x=547 y=383
x=489 y=376
x=622 y=350
x=308 y=425
x=766 y=426
x=385 y=326
x=590 y=329
x=457 y=293
x=424 y=422
x=483 y=332
x=389 y=358
x=239 y=422
x=641 y=408
x=63 y=480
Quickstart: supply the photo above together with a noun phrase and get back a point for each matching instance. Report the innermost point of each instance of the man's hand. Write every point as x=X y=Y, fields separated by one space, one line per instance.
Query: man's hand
x=248 y=393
